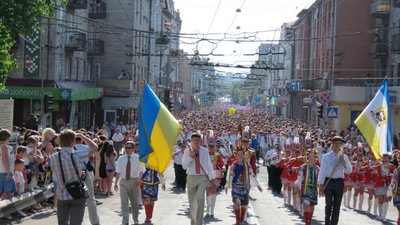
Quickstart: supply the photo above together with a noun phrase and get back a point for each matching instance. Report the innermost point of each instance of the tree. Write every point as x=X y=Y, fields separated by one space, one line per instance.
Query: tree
x=19 y=17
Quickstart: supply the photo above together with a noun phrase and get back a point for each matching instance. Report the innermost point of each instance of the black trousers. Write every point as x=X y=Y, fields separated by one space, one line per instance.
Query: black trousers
x=180 y=176
x=269 y=176
x=276 y=179
x=223 y=180
x=333 y=199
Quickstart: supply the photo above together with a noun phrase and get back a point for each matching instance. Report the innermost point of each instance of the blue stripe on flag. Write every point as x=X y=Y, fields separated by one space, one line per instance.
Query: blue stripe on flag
x=148 y=112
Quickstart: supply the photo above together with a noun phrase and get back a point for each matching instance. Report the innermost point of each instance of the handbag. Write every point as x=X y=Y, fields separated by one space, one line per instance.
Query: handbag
x=76 y=188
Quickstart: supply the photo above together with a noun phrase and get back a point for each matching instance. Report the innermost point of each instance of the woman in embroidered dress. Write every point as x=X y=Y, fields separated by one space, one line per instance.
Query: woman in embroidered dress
x=150 y=181
x=307 y=183
x=240 y=176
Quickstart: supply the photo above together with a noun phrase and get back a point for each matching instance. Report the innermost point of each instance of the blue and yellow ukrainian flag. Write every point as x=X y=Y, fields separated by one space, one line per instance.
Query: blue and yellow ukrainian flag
x=375 y=123
x=158 y=130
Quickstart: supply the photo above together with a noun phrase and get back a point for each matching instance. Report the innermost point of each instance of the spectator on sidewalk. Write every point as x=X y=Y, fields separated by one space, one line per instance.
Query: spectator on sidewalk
x=34 y=157
x=89 y=177
x=19 y=168
x=70 y=211
x=110 y=157
x=7 y=184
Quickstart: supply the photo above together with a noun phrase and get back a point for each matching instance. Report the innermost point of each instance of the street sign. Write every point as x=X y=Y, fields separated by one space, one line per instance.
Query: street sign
x=307 y=100
x=324 y=97
x=332 y=112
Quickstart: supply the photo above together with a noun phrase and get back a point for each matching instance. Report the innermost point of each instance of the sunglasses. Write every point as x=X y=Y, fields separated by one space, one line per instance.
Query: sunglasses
x=129 y=147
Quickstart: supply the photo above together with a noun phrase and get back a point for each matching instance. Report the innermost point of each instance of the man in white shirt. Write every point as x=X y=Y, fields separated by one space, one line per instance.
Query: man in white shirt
x=330 y=180
x=130 y=170
x=196 y=161
x=117 y=138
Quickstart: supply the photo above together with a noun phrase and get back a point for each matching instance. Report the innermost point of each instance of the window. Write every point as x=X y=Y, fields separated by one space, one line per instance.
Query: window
x=97 y=71
x=68 y=68
x=89 y=71
x=77 y=70
x=84 y=77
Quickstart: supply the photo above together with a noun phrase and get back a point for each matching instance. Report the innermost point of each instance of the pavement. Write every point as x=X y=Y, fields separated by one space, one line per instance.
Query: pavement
x=172 y=208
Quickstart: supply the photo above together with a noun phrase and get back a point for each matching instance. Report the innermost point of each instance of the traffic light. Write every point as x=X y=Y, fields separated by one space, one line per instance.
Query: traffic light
x=320 y=111
x=170 y=106
x=48 y=104
x=166 y=96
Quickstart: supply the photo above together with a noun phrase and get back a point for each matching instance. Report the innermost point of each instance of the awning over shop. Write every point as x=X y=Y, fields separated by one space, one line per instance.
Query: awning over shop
x=118 y=103
x=61 y=94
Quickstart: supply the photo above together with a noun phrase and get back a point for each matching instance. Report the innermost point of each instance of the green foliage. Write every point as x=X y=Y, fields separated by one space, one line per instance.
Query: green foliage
x=18 y=17
x=7 y=62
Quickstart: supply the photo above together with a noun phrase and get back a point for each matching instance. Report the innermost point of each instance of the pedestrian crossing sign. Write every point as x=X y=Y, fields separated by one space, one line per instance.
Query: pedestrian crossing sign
x=332 y=112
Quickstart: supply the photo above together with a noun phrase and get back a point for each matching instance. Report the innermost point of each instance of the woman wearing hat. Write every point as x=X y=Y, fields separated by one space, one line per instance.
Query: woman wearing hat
x=348 y=182
x=382 y=181
x=369 y=182
x=359 y=168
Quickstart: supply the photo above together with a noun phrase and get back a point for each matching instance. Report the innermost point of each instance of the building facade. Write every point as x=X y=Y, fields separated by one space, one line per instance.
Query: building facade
x=330 y=50
x=58 y=62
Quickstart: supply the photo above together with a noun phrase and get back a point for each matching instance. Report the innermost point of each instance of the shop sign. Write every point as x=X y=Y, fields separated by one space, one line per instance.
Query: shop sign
x=7 y=113
x=25 y=92
x=75 y=94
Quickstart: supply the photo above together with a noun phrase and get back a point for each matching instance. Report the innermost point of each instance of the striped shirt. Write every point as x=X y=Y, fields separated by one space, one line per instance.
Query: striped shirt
x=80 y=156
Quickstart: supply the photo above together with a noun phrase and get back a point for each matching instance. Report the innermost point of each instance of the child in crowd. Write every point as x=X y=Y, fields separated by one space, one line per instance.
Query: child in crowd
x=19 y=168
x=21 y=153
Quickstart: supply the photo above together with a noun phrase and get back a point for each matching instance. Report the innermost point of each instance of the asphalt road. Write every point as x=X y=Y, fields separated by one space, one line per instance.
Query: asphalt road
x=173 y=209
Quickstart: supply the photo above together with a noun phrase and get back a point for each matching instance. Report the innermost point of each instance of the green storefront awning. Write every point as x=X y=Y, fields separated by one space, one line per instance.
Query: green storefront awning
x=60 y=94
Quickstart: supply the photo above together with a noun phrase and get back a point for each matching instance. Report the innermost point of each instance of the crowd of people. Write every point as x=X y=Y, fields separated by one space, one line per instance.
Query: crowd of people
x=303 y=162
x=215 y=152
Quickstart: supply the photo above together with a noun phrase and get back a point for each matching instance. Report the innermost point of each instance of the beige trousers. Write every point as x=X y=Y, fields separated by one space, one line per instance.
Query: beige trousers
x=196 y=189
x=129 y=191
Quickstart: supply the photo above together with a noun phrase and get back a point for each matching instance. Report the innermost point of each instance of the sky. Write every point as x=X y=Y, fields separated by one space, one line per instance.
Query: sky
x=258 y=21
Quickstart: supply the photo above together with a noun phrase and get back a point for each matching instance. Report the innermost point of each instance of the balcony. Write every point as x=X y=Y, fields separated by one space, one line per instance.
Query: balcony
x=396 y=3
x=396 y=43
x=77 y=4
x=98 y=10
x=163 y=39
x=75 y=41
x=378 y=49
x=115 y=88
x=95 y=47
x=380 y=8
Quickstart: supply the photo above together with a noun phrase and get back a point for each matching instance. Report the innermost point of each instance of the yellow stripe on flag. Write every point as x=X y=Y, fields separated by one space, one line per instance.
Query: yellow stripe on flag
x=368 y=131
x=163 y=138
